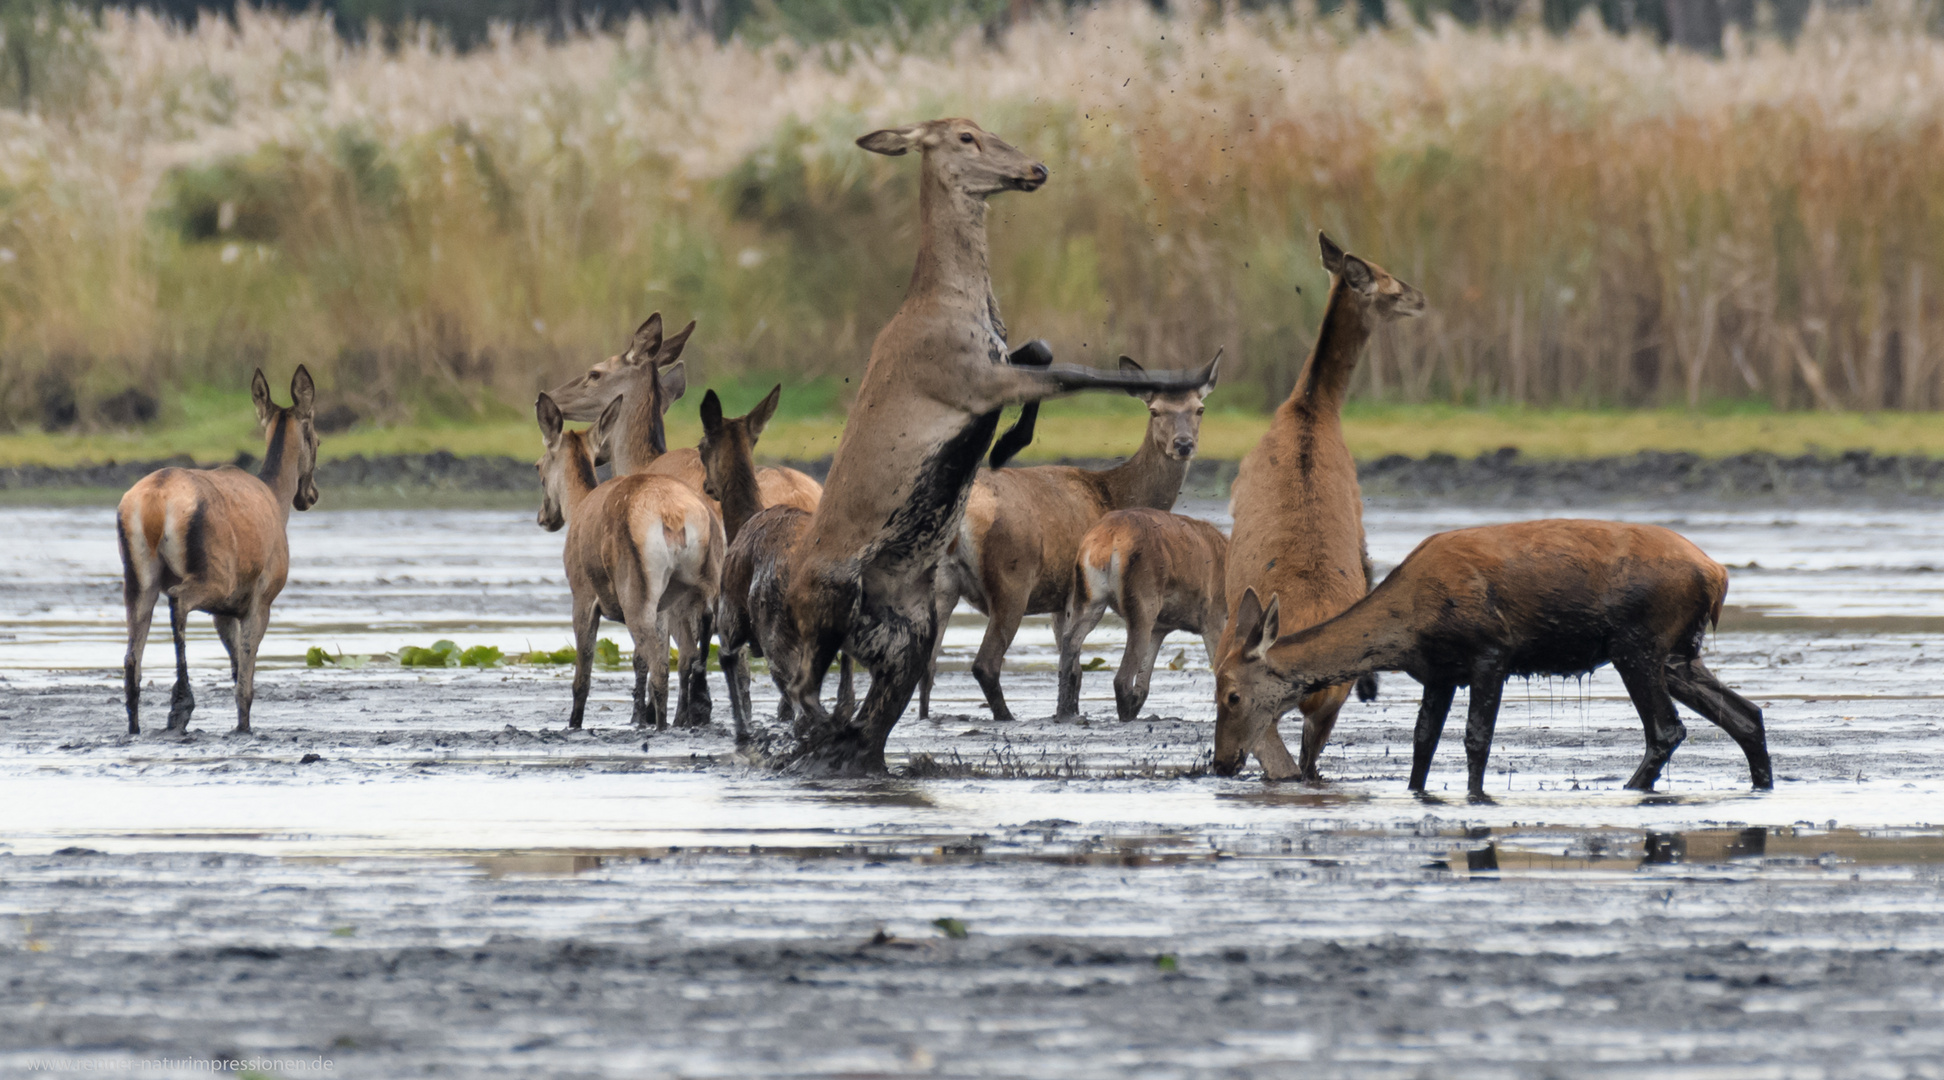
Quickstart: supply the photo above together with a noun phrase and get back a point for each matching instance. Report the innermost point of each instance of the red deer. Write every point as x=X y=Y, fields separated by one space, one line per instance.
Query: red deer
x=1159 y=572
x=862 y=575
x=632 y=449
x=642 y=550
x=1298 y=512
x=1475 y=606
x=1016 y=542
x=758 y=539
x=216 y=540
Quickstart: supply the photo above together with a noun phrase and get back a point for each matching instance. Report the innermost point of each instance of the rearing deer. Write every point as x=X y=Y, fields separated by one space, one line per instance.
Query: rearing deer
x=216 y=540
x=1022 y=527
x=862 y=576
x=1298 y=512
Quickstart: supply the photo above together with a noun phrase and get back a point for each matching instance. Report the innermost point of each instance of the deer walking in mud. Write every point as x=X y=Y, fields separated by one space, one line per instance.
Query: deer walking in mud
x=862 y=576
x=1022 y=527
x=1298 y=512
x=216 y=540
x=1159 y=572
x=642 y=550
x=630 y=446
x=1476 y=606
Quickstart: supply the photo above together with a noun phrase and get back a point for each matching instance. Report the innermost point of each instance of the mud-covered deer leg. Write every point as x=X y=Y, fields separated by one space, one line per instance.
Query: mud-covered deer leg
x=249 y=642
x=587 y=623
x=1130 y=682
x=1319 y=719
x=1080 y=621
x=1692 y=684
x=1432 y=710
x=1007 y=609
x=1487 y=686
x=141 y=612
x=182 y=700
x=1647 y=685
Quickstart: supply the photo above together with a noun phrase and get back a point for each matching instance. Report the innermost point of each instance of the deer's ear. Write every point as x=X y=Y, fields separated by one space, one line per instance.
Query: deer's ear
x=1214 y=373
x=674 y=383
x=601 y=435
x=891 y=142
x=303 y=392
x=1128 y=364
x=647 y=341
x=671 y=349
x=759 y=417
x=260 y=394
x=711 y=414
x=1332 y=253
x=1255 y=628
x=1358 y=275
x=545 y=411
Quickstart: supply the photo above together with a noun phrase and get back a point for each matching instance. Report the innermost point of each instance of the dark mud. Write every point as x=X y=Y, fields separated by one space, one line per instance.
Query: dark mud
x=1503 y=477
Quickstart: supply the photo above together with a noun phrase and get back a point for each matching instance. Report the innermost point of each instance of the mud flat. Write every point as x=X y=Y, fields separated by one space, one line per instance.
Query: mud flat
x=416 y=871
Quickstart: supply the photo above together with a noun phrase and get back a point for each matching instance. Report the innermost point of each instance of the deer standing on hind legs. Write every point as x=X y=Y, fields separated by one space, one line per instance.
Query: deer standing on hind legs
x=1298 y=512
x=216 y=540
x=642 y=550
x=1022 y=528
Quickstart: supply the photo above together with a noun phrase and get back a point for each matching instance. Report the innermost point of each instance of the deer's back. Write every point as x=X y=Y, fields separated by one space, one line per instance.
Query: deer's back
x=1179 y=560
x=1025 y=524
x=219 y=530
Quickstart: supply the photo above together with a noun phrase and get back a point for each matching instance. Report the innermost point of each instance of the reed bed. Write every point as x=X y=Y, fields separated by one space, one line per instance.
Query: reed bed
x=1596 y=220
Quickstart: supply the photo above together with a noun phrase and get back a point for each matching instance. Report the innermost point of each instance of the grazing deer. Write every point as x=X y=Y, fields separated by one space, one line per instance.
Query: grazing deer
x=631 y=446
x=861 y=577
x=1475 y=606
x=643 y=550
x=727 y=455
x=216 y=540
x=1159 y=572
x=1297 y=509
x=1016 y=542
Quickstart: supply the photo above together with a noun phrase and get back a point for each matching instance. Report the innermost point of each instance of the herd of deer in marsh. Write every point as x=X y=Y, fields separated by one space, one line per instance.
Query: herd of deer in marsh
x=866 y=568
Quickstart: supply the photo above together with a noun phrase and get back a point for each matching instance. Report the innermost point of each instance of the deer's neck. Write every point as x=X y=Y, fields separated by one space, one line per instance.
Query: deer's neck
x=1368 y=637
x=580 y=479
x=280 y=463
x=1150 y=479
x=741 y=497
x=634 y=445
x=952 y=263
x=1325 y=381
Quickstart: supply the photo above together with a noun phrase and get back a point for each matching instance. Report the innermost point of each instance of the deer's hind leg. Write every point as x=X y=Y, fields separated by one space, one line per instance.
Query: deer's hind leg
x=1432 y=710
x=587 y=623
x=249 y=630
x=226 y=628
x=692 y=630
x=182 y=700
x=1487 y=686
x=1692 y=684
x=141 y=612
x=1007 y=606
x=1082 y=615
x=1646 y=683
x=1137 y=659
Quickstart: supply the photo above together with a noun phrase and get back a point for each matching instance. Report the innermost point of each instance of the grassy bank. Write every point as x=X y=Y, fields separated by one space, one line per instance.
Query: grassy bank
x=1108 y=429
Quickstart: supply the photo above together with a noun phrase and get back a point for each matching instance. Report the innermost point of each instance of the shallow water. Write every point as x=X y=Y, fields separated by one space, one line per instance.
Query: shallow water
x=447 y=827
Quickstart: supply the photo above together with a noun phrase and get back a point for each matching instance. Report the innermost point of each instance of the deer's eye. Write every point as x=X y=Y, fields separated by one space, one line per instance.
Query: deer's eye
x=1234 y=698
x=1198 y=412
x=966 y=137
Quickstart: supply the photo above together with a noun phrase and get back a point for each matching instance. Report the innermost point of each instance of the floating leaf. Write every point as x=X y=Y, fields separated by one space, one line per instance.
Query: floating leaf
x=316 y=657
x=951 y=928
x=1167 y=962
x=481 y=656
x=345 y=931
x=607 y=653
x=1094 y=663
x=442 y=654
x=563 y=655
x=1179 y=662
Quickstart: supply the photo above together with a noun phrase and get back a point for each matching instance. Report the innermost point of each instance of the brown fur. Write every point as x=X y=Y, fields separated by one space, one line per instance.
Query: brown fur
x=631 y=447
x=862 y=577
x=1159 y=572
x=1016 y=542
x=1475 y=606
x=643 y=550
x=215 y=540
x=1298 y=512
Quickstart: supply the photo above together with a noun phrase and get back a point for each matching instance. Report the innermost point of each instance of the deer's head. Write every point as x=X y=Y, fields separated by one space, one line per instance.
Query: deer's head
x=1382 y=295
x=726 y=442
x=648 y=353
x=966 y=157
x=1174 y=417
x=295 y=428
x=566 y=464
x=1249 y=695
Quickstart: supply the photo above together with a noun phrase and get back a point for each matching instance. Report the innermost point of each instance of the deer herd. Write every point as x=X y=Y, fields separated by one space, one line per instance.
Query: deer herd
x=865 y=569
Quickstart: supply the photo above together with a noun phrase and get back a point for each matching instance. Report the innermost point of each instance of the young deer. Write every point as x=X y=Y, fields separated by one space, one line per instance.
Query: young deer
x=1475 y=606
x=642 y=550
x=216 y=540
x=1298 y=512
x=632 y=447
x=1016 y=542
x=758 y=538
x=1160 y=572
x=861 y=577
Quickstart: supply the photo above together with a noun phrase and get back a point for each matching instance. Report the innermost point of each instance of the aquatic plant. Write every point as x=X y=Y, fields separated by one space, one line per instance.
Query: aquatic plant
x=482 y=656
x=442 y=653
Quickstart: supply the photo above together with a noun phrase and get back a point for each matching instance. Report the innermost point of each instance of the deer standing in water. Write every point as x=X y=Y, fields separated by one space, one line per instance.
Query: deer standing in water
x=630 y=448
x=1475 y=606
x=1159 y=572
x=642 y=550
x=1022 y=528
x=1298 y=512
x=216 y=540
x=861 y=577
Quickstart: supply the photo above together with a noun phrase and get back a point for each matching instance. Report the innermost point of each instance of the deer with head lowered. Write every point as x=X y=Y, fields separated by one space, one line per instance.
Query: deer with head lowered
x=862 y=575
x=1297 y=509
x=642 y=550
x=1022 y=527
x=216 y=540
x=1476 y=606
x=630 y=444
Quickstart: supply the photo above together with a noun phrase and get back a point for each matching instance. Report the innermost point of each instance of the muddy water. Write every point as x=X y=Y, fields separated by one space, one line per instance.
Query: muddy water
x=452 y=884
